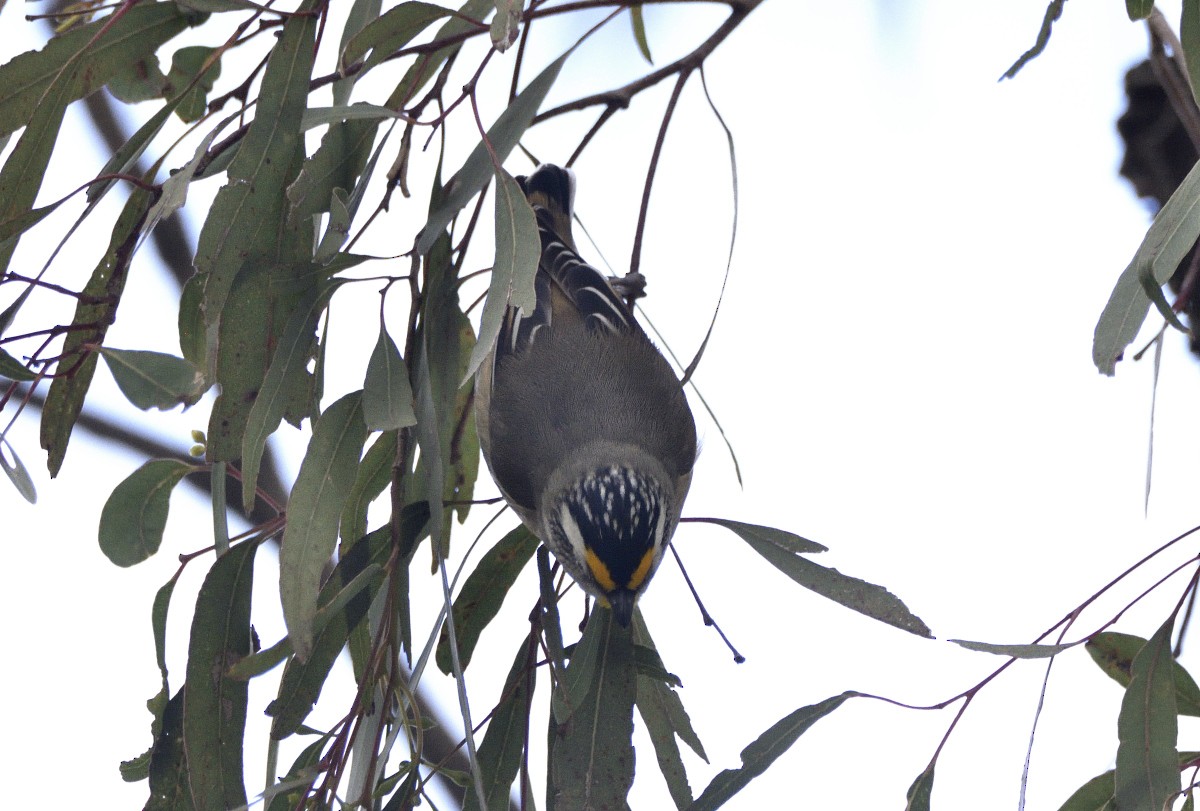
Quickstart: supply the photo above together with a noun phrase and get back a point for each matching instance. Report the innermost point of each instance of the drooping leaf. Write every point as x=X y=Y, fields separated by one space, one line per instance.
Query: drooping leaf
x=1016 y=651
x=665 y=718
x=504 y=742
x=477 y=170
x=506 y=23
x=1147 y=762
x=1168 y=240
x=287 y=381
x=920 y=792
x=422 y=70
x=83 y=63
x=387 y=393
x=13 y=369
x=1114 y=653
x=302 y=680
x=315 y=506
x=154 y=379
x=1094 y=795
x=389 y=33
x=754 y=533
x=866 y=598
x=483 y=593
x=246 y=228
x=518 y=251
x=639 y=31
x=374 y=474
x=187 y=64
x=168 y=763
x=133 y=519
x=1140 y=9
x=97 y=308
x=759 y=755
x=337 y=164
x=592 y=763
x=16 y=471
x=300 y=776
x=214 y=705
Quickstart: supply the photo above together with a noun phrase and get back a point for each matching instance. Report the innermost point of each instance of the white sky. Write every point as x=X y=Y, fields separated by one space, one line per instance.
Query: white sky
x=902 y=362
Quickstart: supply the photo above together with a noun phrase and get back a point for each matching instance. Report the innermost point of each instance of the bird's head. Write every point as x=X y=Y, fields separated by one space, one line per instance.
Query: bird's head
x=609 y=526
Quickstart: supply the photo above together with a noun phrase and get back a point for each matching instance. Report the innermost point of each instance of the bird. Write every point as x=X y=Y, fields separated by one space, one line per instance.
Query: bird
x=582 y=422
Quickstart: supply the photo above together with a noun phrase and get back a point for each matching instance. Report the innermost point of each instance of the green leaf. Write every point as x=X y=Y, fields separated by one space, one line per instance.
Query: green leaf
x=1094 y=795
x=639 y=31
x=1147 y=771
x=866 y=598
x=504 y=742
x=387 y=393
x=1016 y=651
x=1168 y=240
x=592 y=763
x=302 y=680
x=168 y=763
x=80 y=65
x=1115 y=652
x=518 y=251
x=214 y=705
x=919 y=793
x=304 y=770
x=362 y=13
x=1140 y=9
x=420 y=72
x=261 y=662
x=16 y=471
x=138 y=81
x=478 y=169
x=753 y=533
x=125 y=158
x=186 y=65
x=13 y=369
x=374 y=474
x=759 y=755
x=321 y=487
x=133 y=519
x=286 y=381
x=665 y=719
x=506 y=24
x=389 y=33
x=97 y=308
x=1053 y=12
x=245 y=219
x=337 y=164
x=1189 y=36
x=484 y=592
x=154 y=379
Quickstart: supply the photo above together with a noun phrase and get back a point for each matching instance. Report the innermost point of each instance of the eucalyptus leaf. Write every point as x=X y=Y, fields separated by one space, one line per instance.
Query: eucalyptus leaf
x=1147 y=771
x=16 y=471
x=315 y=506
x=387 y=392
x=1016 y=651
x=592 y=764
x=478 y=169
x=518 y=251
x=484 y=592
x=154 y=379
x=759 y=755
x=214 y=705
x=135 y=514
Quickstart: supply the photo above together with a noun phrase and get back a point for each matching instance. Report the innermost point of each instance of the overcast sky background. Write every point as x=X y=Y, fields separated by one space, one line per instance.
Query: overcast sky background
x=903 y=362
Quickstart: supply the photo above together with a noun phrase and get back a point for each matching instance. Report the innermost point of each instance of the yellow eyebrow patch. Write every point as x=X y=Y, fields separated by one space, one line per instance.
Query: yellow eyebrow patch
x=600 y=571
x=639 y=574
